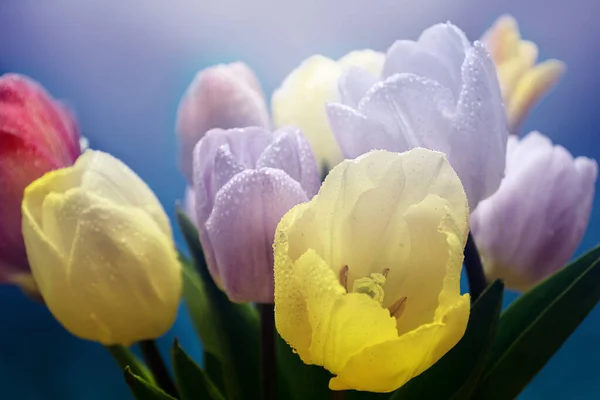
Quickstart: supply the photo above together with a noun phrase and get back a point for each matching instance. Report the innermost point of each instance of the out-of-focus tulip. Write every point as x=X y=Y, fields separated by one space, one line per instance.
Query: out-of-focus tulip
x=301 y=99
x=244 y=181
x=223 y=96
x=37 y=134
x=523 y=82
x=533 y=224
x=101 y=251
x=367 y=274
x=440 y=93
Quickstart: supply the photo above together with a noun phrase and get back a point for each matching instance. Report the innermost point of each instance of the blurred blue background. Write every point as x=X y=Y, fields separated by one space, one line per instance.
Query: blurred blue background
x=123 y=66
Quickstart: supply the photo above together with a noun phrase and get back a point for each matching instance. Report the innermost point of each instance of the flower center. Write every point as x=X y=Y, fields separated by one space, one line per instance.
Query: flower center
x=372 y=286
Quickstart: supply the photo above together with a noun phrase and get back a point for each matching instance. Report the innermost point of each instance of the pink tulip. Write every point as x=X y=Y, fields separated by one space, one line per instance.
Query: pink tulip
x=37 y=134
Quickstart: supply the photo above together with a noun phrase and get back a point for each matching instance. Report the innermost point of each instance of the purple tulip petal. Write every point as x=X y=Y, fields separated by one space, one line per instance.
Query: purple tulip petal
x=291 y=153
x=354 y=84
x=413 y=108
x=357 y=134
x=406 y=56
x=480 y=128
x=241 y=228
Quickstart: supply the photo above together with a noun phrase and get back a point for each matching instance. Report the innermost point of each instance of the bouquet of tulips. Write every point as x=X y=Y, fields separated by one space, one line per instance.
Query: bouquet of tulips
x=325 y=242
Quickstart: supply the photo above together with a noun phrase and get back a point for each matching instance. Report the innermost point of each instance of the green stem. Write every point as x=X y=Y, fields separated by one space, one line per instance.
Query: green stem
x=158 y=367
x=475 y=274
x=125 y=358
x=268 y=366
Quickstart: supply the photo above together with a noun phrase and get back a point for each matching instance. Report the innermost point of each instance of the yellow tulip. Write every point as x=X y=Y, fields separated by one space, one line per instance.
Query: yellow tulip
x=523 y=82
x=301 y=99
x=101 y=251
x=367 y=272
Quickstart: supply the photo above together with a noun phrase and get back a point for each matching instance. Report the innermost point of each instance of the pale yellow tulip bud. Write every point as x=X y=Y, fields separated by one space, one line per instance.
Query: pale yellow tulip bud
x=523 y=82
x=101 y=251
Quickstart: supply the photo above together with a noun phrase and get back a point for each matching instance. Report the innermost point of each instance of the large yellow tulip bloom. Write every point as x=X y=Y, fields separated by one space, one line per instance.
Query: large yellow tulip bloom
x=101 y=251
x=367 y=273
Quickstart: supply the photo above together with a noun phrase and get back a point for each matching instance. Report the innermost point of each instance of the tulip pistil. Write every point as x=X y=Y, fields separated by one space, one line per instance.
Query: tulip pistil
x=372 y=286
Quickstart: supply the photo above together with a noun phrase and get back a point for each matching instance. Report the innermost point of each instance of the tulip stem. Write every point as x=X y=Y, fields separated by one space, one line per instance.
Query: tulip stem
x=157 y=367
x=475 y=275
x=269 y=370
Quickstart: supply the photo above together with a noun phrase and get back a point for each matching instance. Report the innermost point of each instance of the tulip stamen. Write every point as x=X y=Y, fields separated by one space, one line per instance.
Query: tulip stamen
x=344 y=277
x=397 y=309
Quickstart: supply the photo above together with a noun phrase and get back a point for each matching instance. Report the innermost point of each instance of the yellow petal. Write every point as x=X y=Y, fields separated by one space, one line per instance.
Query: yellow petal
x=300 y=101
x=370 y=60
x=530 y=89
x=509 y=74
x=122 y=283
x=386 y=366
x=111 y=179
x=502 y=39
x=291 y=315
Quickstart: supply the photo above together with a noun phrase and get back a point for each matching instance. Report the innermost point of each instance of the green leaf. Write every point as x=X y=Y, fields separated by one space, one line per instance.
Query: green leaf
x=536 y=325
x=142 y=389
x=454 y=376
x=125 y=358
x=229 y=331
x=296 y=380
x=192 y=382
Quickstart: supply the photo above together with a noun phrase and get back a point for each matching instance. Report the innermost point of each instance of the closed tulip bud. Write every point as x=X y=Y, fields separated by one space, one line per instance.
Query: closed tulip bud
x=523 y=82
x=101 y=251
x=37 y=134
x=245 y=180
x=223 y=96
x=532 y=225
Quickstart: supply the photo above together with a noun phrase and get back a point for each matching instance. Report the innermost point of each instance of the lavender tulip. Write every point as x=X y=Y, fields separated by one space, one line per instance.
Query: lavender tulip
x=532 y=225
x=440 y=93
x=245 y=180
x=223 y=96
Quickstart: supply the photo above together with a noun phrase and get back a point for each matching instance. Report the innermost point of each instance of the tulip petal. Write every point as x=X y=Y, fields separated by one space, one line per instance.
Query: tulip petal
x=241 y=228
x=413 y=109
x=388 y=365
x=354 y=84
x=104 y=264
x=16 y=172
x=406 y=56
x=531 y=87
x=449 y=44
x=480 y=124
x=291 y=153
x=28 y=111
x=357 y=134
x=244 y=145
